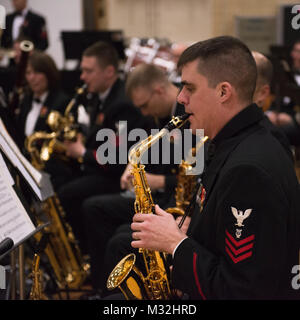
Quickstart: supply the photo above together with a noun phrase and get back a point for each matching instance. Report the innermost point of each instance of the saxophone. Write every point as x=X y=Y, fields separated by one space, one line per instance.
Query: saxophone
x=186 y=182
x=126 y=276
x=62 y=250
x=63 y=127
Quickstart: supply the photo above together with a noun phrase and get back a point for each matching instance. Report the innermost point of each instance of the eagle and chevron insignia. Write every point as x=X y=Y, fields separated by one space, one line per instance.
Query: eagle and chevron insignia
x=240 y=215
x=239 y=249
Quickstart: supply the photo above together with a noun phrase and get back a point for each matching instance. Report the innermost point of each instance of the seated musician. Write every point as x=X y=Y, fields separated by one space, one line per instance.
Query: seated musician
x=262 y=95
x=288 y=117
x=251 y=206
x=250 y=215
x=100 y=66
x=151 y=92
x=43 y=95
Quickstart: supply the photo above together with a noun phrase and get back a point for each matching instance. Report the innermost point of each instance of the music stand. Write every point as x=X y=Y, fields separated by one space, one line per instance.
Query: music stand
x=19 y=246
x=75 y=42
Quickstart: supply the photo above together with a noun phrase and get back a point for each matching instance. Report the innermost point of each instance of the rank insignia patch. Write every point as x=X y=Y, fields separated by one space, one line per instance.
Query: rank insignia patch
x=238 y=250
x=240 y=215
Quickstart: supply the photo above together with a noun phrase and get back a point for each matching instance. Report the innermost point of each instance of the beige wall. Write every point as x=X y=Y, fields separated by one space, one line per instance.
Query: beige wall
x=177 y=20
x=225 y=10
x=183 y=21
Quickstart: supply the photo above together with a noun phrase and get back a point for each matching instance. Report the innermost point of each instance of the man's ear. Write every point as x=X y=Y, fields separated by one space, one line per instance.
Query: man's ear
x=110 y=70
x=224 y=91
x=261 y=95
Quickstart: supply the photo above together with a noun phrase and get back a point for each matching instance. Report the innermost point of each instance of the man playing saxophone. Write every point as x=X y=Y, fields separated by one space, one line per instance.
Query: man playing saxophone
x=99 y=65
x=244 y=243
x=151 y=91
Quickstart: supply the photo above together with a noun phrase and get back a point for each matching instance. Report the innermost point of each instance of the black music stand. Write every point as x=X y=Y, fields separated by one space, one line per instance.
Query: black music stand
x=75 y=42
x=37 y=229
x=19 y=246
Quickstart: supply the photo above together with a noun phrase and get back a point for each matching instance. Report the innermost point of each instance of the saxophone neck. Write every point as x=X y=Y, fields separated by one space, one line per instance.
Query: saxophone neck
x=190 y=159
x=71 y=104
x=137 y=151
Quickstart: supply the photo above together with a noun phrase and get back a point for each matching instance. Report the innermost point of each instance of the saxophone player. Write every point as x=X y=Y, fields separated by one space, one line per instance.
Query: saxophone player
x=151 y=92
x=250 y=219
x=99 y=71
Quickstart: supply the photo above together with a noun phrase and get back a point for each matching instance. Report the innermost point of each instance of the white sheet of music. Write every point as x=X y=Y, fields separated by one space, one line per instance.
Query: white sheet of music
x=14 y=220
x=5 y=171
x=32 y=176
x=36 y=175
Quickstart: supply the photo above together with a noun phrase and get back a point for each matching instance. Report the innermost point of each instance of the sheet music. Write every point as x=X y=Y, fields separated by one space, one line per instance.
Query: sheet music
x=5 y=171
x=10 y=149
x=14 y=220
x=36 y=175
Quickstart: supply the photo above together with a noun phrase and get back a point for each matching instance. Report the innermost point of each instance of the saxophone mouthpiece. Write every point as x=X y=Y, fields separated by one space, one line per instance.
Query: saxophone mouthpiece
x=82 y=89
x=177 y=122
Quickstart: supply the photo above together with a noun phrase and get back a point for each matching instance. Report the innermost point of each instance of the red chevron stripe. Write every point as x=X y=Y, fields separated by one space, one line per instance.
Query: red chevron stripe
x=240 y=242
x=237 y=252
x=240 y=258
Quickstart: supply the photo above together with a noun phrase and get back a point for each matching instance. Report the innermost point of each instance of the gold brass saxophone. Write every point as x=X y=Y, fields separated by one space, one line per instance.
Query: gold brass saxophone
x=63 y=127
x=126 y=276
x=186 y=182
x=36 y=292
x=62 y=250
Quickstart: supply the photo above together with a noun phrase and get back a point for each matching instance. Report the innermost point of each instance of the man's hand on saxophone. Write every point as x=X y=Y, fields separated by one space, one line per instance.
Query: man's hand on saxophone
x=157 y=231
x=75 y=149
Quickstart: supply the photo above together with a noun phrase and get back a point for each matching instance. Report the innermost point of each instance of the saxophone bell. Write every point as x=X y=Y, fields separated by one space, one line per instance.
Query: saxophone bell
x=127 y=277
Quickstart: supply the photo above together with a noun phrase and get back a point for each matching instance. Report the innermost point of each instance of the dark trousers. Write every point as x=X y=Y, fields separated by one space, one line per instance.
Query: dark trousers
x=73 y=194
x=102 y=216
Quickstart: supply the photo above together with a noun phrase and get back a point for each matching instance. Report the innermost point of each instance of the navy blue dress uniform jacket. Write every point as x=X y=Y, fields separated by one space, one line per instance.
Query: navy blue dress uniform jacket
x=245 y=242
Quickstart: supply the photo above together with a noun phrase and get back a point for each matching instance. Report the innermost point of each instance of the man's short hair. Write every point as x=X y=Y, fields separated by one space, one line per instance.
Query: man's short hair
x=105 y=54
x=264 y=69
x=221 y=59
x=145 y=75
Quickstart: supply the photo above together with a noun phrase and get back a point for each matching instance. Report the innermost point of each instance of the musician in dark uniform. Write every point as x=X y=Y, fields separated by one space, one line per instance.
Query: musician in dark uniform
x=151 y=92
x=99 y=67
x=119 y=244
x=288 y=117
x=44 y=94
x=26 y=23
x=262 y=94
x=245 y=241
